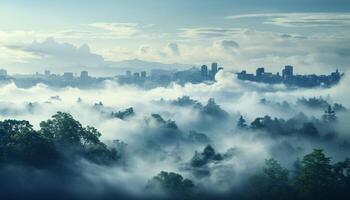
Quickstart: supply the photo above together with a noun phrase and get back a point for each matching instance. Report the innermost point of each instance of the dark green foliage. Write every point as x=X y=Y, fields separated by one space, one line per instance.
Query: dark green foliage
x=276 y=105
x=272 y=183
x=212 y=109
x=319 y=103
x=208 y=155
x=186 y=101
x=316 y=179
x=165 y=124
x=172 y=183
x=124 y=114
x=61 y=137
x=257 y=124
x=241 y=122
x=63 y=130
x=329 y=115
x=316 y=103
x=69 y=135
x=299 y=124
x=341 y=172
x=19 y=143
x=339 y=107
x=309 y=130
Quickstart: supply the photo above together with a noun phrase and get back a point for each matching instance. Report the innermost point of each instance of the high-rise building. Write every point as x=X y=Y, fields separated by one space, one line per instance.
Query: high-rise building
x=260 y=71
x=47 y=73
x=128 y=73
x=214 y=68
x=204 y=71
x=84 y=75
x=68 y=75
x=136 y=75
x=3 y=73
x=287 y=71
x=143 y=74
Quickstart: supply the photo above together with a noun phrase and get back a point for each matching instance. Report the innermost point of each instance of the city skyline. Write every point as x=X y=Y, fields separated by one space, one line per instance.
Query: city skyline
x=238 y=34
x=153 y=78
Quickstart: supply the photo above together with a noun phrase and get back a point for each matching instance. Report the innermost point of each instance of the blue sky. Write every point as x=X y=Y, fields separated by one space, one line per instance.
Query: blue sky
x=242 y=33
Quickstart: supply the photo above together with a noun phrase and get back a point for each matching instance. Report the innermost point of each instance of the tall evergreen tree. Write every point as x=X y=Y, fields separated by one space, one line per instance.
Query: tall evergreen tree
x=241 y=122
x=329 y=115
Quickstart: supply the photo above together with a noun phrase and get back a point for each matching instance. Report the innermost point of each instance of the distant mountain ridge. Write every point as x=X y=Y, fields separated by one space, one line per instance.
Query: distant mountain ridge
x=134 y=65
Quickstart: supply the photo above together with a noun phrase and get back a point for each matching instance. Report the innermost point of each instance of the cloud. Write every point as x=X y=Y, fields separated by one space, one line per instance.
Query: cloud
x=118 y=29
x=229 y=44
x=208 y=32
x=145 y=135
x=174 y=49
x=312 y=19
x=54 y=54
x=122 y=30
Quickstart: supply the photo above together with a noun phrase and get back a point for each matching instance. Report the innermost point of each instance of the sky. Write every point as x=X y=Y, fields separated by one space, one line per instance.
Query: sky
x=311 y=35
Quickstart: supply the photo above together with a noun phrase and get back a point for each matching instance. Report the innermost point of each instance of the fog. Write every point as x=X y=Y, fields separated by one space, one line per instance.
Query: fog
x=149 y=145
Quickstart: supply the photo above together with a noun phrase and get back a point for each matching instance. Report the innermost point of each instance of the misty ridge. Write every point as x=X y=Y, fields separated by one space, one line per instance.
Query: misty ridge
x=225 y=140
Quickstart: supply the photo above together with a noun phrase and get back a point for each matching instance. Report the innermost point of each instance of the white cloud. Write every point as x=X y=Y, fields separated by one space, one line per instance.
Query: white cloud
x=119 y=29
x=208 y=32
x=105 y=30
x=300 y=19
x=55 y=55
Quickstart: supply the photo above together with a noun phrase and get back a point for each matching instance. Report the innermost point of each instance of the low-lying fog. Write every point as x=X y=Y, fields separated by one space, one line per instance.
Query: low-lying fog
x=168 y=142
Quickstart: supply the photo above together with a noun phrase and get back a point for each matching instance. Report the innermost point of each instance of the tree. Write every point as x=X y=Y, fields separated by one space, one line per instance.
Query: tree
x=241 y=122
x=63 y=130
x=309 y=129
x=124 y=114
x=20 y=143
x=315 y=179
x=256 y=124
x=329 y=115
x=214 y=110
x=272 y=182
x=341 y=172
x=172 y=183
x=69 y=136
x=208 y=155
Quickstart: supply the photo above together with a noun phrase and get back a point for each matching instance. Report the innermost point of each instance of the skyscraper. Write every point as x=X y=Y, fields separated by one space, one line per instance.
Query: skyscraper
x=287 y=72
x=84 y=75
x=47 y=72
x=260 y=71
x=214 y=68
x=136 y=75
x=143 y=74
x=3 y=73
x=204 y=71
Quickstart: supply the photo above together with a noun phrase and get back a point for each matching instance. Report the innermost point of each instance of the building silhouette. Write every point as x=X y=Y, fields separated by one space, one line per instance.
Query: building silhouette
x=204 y=72
x=84 y=75
x=288 y=78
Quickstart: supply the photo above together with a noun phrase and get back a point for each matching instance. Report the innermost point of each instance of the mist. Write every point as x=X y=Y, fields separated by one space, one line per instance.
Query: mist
x=167 y=127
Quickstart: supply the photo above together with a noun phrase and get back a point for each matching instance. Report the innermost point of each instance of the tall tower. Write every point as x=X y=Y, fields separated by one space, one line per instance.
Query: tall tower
x=143 y=74
x=260 y=71
x=84 y=75
x=204 y=71
x=287 y=72
x=214 y=68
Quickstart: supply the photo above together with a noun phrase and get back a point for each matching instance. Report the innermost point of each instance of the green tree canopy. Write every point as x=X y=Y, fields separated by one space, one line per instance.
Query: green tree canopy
x=20 y=143
x=70 y=136
x=172 y=183
x=315 y=179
